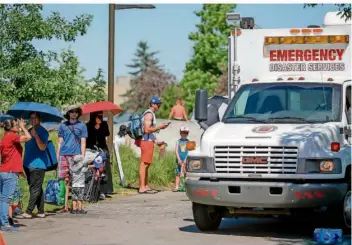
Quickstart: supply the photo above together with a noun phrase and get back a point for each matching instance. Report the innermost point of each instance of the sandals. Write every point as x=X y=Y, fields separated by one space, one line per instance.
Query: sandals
x=176 y=190
x=148 y=192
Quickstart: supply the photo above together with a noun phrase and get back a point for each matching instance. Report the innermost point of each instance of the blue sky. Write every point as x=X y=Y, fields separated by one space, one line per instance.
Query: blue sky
x=166 y=29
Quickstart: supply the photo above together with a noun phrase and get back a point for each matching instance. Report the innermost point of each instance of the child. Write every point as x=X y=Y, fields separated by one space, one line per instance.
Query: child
x=78 y=168
x=181 y=157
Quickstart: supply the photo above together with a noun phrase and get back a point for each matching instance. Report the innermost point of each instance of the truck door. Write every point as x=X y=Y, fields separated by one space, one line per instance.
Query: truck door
x=347 y=109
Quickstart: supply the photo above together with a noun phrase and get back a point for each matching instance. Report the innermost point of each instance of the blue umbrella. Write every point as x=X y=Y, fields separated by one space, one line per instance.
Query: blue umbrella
x=4 y=117
x=47 y=113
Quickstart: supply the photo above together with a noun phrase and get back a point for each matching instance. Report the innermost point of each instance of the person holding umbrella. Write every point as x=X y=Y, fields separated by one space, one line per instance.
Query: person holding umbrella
x=72 y=141
x=11 y=166
x=98 y=131
x=35 y=162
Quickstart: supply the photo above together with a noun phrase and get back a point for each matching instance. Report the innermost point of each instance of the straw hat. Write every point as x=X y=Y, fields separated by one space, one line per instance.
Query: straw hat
x=71 y=108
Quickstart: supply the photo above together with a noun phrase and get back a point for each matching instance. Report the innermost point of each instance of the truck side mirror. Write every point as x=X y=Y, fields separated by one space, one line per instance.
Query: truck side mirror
x=201 y=105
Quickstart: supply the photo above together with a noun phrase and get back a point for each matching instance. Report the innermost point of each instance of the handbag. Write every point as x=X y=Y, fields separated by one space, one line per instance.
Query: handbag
x=52 y=162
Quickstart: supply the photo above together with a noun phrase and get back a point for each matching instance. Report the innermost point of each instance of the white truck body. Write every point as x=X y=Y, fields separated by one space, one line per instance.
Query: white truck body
x=272 y=159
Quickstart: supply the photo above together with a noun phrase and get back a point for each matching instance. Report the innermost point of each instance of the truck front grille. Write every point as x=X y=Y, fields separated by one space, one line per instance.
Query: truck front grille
x=256 y=159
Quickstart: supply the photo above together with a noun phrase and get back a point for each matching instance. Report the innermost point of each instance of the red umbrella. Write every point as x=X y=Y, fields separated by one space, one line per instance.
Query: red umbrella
x=105 y=106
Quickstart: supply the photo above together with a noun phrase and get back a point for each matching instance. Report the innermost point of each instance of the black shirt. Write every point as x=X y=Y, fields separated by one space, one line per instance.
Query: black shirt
x=97 y=137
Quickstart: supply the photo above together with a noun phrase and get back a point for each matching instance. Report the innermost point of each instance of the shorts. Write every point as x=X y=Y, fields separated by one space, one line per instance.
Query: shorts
x=178 y=169
x=77 y=193
x=64 y=173
x=147 y=151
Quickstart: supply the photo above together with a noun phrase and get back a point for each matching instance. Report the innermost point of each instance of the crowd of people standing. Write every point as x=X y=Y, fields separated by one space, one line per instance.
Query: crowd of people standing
x=74 y=138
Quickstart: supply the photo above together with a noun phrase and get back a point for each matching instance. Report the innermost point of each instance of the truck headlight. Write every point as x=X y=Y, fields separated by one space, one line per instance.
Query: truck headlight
x=327 y=166
x=200 y=164
x=321 y=166
x=195 y=164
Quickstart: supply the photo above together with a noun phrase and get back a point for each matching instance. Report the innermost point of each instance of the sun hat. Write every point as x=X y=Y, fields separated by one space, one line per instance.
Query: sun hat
x=71 y=108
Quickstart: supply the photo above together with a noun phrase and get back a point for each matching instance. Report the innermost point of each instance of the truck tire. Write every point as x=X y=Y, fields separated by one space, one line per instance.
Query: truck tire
x=341 y=213
x=207 y=218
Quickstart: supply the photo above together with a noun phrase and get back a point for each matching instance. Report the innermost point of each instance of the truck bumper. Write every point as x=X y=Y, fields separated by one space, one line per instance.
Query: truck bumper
x=264 y=194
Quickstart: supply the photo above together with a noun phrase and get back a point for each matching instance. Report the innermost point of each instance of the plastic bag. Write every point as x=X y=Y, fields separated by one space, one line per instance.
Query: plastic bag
x=52 y=192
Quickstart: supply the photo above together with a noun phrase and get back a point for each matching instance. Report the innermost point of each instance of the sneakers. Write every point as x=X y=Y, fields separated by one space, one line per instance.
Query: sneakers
x=79 y=211
x=42 y=215
x=24 y=216
x=8 y=228
x=82 y=211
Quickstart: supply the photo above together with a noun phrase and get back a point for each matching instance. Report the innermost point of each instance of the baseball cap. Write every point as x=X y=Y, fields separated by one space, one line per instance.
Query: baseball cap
x=155 y=100
x=184 y=129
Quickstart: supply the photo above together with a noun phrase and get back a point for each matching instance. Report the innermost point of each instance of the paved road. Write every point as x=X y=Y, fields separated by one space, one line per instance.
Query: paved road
x=161 y=219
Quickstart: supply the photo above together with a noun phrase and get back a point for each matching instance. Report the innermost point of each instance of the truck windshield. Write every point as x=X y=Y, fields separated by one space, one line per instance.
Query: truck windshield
x=285 y=103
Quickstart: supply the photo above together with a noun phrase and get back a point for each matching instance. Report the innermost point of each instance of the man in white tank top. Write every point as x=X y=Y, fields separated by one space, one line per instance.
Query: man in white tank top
x=147 y=143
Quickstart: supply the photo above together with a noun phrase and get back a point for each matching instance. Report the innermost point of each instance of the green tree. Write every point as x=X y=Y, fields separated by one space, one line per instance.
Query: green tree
x=169 y=96
x=144 y=59
x=209 y=51
x=28 y=74
x=344 y=9
x=98 y=86
x=146 y=66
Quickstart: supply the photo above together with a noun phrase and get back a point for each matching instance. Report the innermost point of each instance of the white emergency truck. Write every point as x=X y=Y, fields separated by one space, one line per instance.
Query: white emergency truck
x=283 y=146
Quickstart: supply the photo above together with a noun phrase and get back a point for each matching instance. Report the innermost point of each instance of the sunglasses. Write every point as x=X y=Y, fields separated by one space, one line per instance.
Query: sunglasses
x=74 y=111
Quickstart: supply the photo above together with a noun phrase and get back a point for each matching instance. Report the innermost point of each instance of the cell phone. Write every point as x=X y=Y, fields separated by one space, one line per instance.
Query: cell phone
x=168 y=123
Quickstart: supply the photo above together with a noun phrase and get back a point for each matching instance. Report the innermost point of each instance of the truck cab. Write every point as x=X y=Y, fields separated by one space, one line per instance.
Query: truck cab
x=283 y=146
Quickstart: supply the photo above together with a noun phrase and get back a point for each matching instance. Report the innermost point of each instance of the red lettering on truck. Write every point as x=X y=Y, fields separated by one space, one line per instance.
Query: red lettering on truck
x=306 y=55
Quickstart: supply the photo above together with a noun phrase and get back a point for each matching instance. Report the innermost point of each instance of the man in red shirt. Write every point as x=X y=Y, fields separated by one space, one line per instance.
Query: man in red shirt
x=11 y=166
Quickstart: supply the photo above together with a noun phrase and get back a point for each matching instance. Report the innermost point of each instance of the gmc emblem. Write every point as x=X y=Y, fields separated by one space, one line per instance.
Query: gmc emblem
x=255 y=160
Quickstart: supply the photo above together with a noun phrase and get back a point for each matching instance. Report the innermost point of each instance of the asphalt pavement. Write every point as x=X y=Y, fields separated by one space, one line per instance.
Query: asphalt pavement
x=164 y=218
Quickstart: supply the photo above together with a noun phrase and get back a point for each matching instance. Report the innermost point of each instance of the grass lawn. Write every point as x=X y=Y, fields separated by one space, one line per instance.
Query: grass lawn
x=161 y=173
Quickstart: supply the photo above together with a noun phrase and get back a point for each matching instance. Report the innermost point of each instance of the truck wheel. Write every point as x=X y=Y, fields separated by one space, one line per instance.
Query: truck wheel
x=341 y=214
x=207 y=218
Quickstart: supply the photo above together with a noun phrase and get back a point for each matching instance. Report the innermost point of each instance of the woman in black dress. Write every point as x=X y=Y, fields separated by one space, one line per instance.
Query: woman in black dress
x=98 y=131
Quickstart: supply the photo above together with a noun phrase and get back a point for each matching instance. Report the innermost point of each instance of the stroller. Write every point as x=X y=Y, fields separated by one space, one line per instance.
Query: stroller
x=93 y=178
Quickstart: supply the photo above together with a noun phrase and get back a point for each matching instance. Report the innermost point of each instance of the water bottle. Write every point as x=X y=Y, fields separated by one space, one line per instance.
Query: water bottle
x=62 y=193
x=328 y=236
x=182 y=187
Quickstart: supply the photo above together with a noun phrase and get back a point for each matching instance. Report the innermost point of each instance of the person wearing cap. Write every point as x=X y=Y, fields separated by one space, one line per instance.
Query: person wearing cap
x=181 y=157
x=147 y=143
x=72 y=141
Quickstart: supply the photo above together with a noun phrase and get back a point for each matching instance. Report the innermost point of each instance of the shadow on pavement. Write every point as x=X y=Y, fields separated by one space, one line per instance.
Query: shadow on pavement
x=273 y=230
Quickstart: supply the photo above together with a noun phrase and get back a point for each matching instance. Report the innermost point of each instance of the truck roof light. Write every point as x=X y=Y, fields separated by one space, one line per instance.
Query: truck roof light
x=295 y=31
x=316 y=39
x=255 y=80
x=306 y=31
x=330 y=79
x=236 y=32
x=339 y=39
x=280 y=79
x=335 y=146
x=317 y=31
x=272 y=40
x=301 y=78
x=290 y=78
